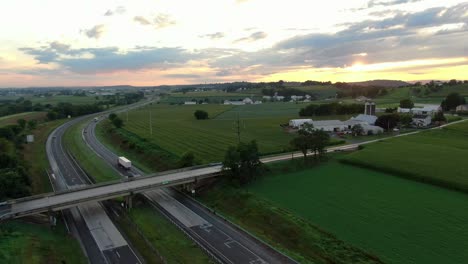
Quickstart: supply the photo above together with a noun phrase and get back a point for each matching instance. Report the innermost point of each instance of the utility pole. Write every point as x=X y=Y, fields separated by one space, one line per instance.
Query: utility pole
x=151 y=124
x=238 y=128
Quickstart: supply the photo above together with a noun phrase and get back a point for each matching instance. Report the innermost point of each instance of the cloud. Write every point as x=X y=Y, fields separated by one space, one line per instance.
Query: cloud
x=118 y=10
x=183 y=76
x=111 y=59
x=163 y=20
x=158 y=21
x=95 y=32
x=253 y=37
x=373 y=3
x=216 y=35
x=141 y=20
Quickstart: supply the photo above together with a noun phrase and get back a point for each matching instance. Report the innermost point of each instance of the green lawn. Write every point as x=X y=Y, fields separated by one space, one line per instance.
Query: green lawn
x=29 y=243
x=436 y=156
x=166 y=238
x=400 y=221
x=176 y=130
x=96 y=167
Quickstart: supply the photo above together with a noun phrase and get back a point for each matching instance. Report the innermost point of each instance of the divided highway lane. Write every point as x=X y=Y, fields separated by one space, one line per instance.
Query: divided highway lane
x=100 y=238
x=227 y=243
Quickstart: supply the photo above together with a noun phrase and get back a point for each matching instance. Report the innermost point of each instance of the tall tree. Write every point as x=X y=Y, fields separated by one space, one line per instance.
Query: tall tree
x=452 y=101
x=243 y=162
x=406 y=103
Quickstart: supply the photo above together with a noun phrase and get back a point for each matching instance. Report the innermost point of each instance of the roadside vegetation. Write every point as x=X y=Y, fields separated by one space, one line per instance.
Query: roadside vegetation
x=171 y=243
x=22 y=242
x=91 y=163
x=437 y=156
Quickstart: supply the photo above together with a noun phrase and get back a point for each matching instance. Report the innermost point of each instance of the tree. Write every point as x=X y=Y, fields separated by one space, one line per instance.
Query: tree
x=243 y=162
x=357 y=130
x=117 y=122
x=406 y=119
x=200 y=115
x=452 y=101
x=32 y=124
x=439 y=117
x=388 y=121
x=308 y=138
x=406 y=103
x=187 y=160
x=22 y=123
x=112 y=116
x=300 y=143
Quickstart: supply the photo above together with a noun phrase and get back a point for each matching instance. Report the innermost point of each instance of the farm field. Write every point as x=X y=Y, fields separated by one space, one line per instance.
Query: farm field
x=436 y=156
x=214 y=96
x=11 y=119
x=398 y=220
x=53 y=100
x=176 y=130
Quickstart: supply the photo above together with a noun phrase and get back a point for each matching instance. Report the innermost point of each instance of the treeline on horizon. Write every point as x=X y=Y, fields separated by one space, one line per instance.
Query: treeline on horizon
x=63 y=109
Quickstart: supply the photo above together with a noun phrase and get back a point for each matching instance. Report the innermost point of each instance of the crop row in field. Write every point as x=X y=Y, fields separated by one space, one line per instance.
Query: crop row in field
x=175 y=129
x=399 y=220
x=436 y=156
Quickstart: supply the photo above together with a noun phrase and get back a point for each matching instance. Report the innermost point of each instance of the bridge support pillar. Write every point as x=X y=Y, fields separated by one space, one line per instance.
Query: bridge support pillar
x=129 y=202
x=52 y=219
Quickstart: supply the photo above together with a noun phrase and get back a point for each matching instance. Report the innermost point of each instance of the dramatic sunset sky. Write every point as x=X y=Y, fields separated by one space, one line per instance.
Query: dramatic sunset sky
x=151 y=42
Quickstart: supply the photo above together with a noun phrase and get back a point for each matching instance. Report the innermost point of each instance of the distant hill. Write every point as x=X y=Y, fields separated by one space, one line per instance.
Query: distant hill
x=382 y=83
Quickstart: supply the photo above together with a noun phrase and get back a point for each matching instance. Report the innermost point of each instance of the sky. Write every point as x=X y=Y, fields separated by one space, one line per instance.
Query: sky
x=156 y=42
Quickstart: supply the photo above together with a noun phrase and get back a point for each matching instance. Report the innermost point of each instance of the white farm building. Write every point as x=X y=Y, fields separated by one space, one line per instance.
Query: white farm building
x=298 y=123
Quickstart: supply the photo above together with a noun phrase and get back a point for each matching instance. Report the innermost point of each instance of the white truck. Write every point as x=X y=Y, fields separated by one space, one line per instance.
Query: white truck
x=124 y=163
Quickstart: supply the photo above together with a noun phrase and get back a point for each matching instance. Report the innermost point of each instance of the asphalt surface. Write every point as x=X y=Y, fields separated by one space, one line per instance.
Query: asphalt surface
x=228 y=243
x=103 y=243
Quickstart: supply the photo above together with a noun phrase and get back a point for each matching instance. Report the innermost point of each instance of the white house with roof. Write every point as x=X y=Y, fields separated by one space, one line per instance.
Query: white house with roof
x=421 y=120
x=248 y=101
x=425 y=110
x=462 y=108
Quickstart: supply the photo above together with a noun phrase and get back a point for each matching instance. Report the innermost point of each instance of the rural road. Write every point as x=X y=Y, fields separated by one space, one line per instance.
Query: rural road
x=228 y=243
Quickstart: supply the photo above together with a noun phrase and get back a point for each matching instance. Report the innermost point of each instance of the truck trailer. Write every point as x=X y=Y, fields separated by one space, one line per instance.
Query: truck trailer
x=124 y=163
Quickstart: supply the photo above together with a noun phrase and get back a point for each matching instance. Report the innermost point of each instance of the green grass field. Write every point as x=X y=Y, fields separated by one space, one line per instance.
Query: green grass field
x=11 y=119
x=176 y=130
x=33 y=244
x=166 y=238
x=398 y=220
x=97 y=168
x=436 y=156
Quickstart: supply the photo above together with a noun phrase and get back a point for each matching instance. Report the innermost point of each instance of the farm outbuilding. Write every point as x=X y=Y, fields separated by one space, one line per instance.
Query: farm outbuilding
x=422 y=120
x=330 y=125
x=298 y=123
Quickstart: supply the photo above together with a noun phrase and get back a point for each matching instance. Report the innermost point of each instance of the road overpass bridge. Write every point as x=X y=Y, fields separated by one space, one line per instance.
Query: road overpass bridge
x=50 y=202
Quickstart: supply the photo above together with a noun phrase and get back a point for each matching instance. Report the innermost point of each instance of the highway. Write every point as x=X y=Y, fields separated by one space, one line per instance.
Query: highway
x=99 y=237
x=225 y=241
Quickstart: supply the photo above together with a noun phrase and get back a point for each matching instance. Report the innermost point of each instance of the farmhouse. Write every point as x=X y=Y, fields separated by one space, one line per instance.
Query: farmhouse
x=425 y=110
x=422 y=120
x=462 y=108
x=190 y=103
x=247 y=101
